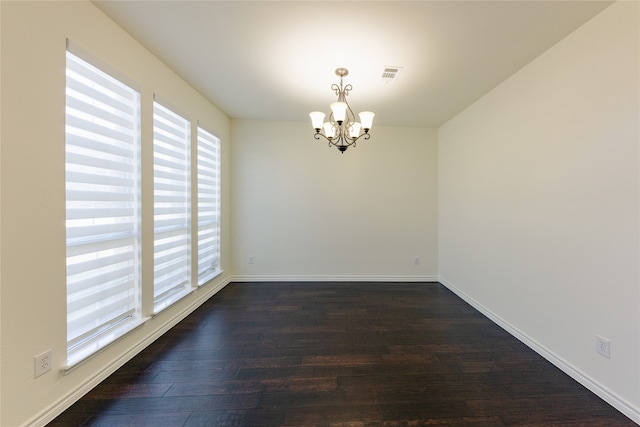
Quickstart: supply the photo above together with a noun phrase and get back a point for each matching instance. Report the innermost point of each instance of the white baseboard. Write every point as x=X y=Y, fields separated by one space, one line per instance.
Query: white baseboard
x=598 y=389
x=66 y=401
x=327 y=278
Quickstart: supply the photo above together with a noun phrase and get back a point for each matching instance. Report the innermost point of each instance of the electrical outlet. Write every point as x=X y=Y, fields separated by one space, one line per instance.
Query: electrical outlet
x=603 y=346
x=251 y=259
x=416 y=261
x=42 y=363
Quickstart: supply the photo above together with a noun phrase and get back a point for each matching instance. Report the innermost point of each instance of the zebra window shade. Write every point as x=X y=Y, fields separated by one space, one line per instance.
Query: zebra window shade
x=102 y=208
x=172 y=206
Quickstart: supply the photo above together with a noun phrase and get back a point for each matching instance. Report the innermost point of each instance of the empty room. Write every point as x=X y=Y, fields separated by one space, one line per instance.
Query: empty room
x=320 y=213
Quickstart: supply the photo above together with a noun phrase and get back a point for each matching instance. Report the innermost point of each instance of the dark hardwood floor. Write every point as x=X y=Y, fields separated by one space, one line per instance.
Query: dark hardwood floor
x=338 y=354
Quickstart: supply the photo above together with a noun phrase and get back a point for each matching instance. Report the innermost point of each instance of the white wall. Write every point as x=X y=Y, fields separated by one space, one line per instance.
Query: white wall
x=539 y=204
x=305 y=211
x=33 y=310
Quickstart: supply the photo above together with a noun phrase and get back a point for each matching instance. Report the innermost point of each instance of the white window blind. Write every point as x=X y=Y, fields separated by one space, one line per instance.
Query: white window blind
x=172 y=214
x=102 y=208
x=208 y=206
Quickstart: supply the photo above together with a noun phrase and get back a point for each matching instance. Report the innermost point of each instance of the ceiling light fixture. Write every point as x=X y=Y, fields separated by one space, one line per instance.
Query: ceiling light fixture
x=342 y=130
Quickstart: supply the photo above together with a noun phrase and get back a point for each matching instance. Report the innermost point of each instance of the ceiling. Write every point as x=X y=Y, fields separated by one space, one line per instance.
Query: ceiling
x=275 y=60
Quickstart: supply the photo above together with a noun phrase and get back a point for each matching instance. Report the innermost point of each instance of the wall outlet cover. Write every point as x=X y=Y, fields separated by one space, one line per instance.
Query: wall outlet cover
x=42 y=363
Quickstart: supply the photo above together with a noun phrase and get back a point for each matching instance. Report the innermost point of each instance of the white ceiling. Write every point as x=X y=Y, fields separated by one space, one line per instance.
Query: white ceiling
x=275 y=60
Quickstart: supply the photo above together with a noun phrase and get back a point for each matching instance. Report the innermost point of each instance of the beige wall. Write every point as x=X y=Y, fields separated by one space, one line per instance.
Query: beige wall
x=305 y=211
x=539 y=204
x=32 y=197
x=526 y=203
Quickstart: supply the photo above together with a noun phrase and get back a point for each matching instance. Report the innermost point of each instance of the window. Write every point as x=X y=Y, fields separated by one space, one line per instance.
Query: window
x=102 y=208
x=172 y=207
x=104 y=211
x=208 y=206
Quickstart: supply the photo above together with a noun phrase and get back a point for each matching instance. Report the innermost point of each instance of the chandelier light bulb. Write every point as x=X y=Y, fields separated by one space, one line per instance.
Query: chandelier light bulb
x=354 y=131
x=339 y=110
x=329 y=130
x=366 y=118
x=317 y=118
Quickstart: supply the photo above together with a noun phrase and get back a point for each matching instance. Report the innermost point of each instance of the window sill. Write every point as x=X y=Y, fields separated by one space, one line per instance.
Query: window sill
x=209 y=277
x=171 y=301
x=88 y=351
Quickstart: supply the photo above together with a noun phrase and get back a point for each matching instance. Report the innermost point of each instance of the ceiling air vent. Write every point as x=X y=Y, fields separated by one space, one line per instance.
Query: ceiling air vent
x=390 y=74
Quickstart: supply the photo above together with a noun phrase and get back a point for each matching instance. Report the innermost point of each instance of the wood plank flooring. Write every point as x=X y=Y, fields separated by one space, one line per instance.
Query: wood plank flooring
x=338 y=355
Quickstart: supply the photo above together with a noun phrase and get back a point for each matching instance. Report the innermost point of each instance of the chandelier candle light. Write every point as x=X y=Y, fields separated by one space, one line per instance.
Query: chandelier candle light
x=342 y=130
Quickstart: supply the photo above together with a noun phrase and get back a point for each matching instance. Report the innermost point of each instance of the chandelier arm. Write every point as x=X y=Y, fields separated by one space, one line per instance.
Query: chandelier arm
x=342 y=143
x=350 y=116
x=340 y=140
x=337 y=89
x=364 y=137
x=348 y=88
x=341 y=91
x=318 y=135
x=332 y=141
x=348 y=141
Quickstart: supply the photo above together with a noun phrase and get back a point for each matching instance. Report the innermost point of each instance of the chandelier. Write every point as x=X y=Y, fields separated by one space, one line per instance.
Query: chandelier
x=342 y=130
